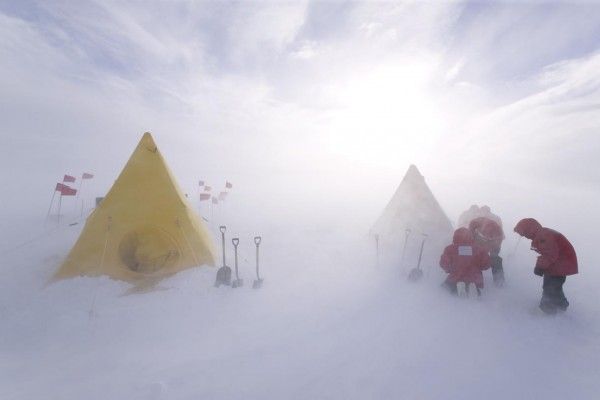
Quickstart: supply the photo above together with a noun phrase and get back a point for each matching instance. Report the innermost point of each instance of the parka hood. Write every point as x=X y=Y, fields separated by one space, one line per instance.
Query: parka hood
x=462 y=236
x=528 y=228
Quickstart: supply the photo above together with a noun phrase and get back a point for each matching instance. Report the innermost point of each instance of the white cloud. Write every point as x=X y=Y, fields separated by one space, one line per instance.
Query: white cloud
x=292 y=88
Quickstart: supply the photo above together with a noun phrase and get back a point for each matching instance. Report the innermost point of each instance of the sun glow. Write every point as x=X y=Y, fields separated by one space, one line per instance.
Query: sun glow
x=387 y=113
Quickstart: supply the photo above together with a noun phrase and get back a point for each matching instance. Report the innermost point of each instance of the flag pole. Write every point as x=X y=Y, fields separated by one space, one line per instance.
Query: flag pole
x=218 y=211
x=59 y=206
x=80 y=185
x=50 y=208
x=200 y=210
x=77 y=195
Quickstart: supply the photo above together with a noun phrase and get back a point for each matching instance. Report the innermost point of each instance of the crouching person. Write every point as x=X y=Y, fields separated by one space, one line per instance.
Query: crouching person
x=489 y=234
x=557 y=260
x=464 y=260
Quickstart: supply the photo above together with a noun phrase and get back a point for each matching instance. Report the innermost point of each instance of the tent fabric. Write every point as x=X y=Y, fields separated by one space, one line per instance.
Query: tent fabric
x=413 y=206
x=144 y=229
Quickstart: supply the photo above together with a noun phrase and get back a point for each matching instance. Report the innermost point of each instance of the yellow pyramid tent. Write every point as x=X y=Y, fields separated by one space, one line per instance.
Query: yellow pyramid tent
x=144 y=229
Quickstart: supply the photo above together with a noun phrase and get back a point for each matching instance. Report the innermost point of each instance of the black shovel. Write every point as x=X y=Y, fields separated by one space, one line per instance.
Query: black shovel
x=258 y=282
x=223 y=273
x=416 y=274
x=237 y=282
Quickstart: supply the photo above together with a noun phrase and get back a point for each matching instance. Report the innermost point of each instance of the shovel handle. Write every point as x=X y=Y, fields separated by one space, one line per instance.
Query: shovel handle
x=222 y=228
x=235 y=242
x=421 y=251
x=257 y=240
x=406 y=235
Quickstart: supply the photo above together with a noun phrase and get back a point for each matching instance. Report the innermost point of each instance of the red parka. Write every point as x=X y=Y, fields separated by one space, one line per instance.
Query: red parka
x=557 y=255
x=464 y=260
x=487 y=233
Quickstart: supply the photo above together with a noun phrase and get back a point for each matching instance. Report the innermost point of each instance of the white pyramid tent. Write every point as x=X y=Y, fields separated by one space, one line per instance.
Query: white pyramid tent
x=413 y=206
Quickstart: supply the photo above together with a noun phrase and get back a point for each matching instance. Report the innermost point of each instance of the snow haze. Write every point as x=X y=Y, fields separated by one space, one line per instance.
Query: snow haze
x=314 y=111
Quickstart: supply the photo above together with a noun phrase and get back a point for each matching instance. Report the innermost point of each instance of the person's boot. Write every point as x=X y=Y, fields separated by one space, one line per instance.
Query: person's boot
x=561 y=302
x=473 y=291
x=449 y=286
x=497 y=271
x=553 y=292
x=548 y=304
x=562 y=305
x=461 y=288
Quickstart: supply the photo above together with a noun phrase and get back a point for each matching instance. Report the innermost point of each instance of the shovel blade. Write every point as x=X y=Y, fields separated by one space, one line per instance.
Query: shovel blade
x=223 y=276
x=415 y=274
x=237 y=283
x=257 y=284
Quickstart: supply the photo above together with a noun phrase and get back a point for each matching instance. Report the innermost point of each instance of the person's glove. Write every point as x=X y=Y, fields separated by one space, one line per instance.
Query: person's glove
x=538 y=271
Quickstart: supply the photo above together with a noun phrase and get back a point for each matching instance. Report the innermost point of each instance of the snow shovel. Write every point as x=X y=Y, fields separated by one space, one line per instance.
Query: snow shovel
x=237 y=282
x=223 y=273
x=258 y=282
x=406 y=235
x=416 y=274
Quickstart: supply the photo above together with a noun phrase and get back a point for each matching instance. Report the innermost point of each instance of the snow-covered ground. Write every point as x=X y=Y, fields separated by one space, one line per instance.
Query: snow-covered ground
x=327 y=324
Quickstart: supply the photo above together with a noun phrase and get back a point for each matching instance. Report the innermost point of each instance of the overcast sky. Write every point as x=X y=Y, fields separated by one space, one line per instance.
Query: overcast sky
x=326 y=104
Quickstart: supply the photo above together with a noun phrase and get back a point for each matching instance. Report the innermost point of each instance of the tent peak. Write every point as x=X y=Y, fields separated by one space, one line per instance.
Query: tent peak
x=413 y=206
x=147 y=141
x=413 y=173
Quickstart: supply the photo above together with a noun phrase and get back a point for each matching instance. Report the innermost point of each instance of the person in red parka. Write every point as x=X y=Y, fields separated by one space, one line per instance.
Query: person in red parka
x=486 y=211
x=464 y=260
x=556 y=260
x=468 y=216
x=489 y=234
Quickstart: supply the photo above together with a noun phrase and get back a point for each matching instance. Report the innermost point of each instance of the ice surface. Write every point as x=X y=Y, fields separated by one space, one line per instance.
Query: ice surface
x=327 y=324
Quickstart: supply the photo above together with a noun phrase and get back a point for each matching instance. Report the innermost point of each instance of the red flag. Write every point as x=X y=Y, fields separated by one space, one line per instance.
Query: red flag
x=207 y=188
x=68 y=191
x=228 y=185
x=222 y=195
x=204 y=196
x=59 y=187
x=68 y=178
x=215 y=200
x=200 y=183
x=87 y=176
